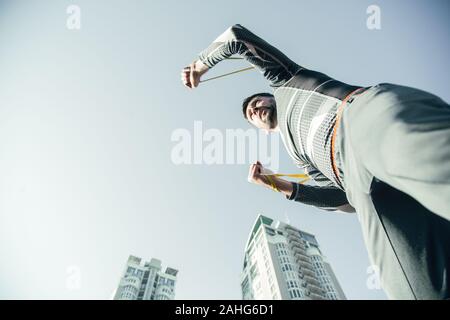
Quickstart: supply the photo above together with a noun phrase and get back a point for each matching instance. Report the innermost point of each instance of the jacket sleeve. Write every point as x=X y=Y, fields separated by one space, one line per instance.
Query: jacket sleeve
x=272 y=63
x=327 y=198
x=324 y=196
x=318 y=177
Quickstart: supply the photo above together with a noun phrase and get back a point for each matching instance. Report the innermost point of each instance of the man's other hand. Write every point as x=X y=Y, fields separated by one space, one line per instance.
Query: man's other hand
x=190 y=75
x=255 y=174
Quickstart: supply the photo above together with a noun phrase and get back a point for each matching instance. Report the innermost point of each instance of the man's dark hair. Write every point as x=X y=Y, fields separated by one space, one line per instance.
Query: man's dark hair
x=248 y=99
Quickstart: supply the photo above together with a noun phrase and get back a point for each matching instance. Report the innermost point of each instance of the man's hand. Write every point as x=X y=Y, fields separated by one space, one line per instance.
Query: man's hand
x=255 y=175
x=190 y=75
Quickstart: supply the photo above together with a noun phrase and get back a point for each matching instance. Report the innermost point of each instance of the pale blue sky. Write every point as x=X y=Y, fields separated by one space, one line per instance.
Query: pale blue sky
x=86 y=118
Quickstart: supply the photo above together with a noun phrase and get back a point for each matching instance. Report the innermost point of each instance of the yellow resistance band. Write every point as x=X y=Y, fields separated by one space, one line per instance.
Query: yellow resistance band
x=227 y=74
x=302 y=178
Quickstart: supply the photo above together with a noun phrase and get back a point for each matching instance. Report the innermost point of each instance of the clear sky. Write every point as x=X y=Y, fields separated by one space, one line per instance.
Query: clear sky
x=86 y=119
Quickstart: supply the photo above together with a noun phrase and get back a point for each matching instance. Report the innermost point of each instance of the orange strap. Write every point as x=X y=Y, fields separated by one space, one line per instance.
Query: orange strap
x=333 y=137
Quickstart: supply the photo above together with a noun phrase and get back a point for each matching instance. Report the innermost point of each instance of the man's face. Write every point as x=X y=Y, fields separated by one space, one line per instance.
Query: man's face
x=262 y=113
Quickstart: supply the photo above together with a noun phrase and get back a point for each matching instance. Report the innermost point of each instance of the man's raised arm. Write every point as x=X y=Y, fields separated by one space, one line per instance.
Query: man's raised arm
x=273 y=64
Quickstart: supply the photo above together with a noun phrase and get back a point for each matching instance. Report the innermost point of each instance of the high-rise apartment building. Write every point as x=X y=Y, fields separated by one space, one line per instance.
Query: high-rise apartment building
x=283 y=262
x=146 y=281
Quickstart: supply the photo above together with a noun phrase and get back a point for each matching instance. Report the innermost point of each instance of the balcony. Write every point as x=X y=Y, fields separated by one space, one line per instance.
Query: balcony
x=289 y=229
x=312 y=280
x=302 y=257
x=308 y=272
x=298 y=247
x=295 y=239
x=299 y=250
x=316 y=290
x=314 y=296
x=305 y=264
